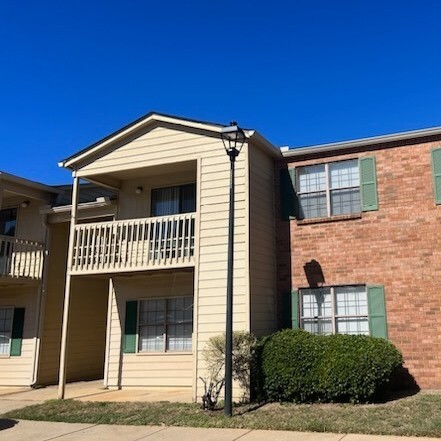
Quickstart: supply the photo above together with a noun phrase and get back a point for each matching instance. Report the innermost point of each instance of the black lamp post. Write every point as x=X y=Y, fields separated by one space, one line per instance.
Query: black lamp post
x=233 y=138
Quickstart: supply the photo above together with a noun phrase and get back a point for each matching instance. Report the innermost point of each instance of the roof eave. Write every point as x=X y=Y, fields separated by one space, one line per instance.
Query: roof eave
x=28 y=183
x=148 y=119
x=335 y=146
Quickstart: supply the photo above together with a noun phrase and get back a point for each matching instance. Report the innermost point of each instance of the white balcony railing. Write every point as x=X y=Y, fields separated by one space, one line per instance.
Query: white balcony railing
x=20 y=258
x=133 y=245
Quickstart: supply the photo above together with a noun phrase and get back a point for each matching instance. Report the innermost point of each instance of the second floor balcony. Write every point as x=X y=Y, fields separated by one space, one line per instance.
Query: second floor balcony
x=21 y=258
x=161 y=242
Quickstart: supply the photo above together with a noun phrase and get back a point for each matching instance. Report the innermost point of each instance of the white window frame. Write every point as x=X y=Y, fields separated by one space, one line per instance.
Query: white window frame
x=334 y=317
x=10 y=332
x=328 y=189
x=165 y=324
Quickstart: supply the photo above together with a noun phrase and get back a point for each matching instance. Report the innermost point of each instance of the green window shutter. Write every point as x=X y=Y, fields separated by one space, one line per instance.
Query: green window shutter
x=288 y=196
x=368 y=184
x=377 y=311
x=436 y=169
x=290 y=312
x=17 y=332
x=130 y=328
x=286 y=310
x=295 y=309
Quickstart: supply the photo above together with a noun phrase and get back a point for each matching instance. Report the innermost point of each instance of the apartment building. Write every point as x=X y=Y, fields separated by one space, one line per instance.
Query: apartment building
x=359 y=242
x=334 y=238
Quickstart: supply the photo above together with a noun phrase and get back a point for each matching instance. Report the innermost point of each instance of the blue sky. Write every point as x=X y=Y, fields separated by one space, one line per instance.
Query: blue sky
x=300 y=72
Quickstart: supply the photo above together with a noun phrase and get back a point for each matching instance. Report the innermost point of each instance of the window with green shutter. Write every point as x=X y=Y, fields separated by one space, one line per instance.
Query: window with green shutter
x=350 y=309
x=436 y=171
x=336 y=188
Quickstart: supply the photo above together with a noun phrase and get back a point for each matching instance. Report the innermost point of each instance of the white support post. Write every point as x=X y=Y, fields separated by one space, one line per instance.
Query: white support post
x=67 y=289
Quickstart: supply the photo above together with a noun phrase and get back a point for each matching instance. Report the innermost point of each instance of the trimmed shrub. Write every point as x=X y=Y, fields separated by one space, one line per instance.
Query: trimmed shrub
x=301 y=367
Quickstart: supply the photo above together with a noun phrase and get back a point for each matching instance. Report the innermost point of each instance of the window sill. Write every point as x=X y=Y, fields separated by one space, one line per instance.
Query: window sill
x=161 y=354
x=322 y=220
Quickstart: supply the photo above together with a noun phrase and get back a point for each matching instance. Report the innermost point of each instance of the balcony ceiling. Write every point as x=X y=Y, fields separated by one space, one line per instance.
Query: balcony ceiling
x=158 y=170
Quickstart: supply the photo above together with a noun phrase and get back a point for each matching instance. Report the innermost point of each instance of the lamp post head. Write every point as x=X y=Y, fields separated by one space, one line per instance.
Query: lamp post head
x=233 y=138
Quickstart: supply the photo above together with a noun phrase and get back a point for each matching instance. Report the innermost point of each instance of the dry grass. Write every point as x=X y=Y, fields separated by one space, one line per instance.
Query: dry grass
x=418 y=415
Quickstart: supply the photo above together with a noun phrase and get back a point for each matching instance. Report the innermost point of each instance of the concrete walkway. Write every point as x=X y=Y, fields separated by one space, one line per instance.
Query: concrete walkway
x=44 y=431
x=15 y=398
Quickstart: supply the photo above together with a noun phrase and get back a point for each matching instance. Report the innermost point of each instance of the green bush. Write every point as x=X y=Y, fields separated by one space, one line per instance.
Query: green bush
x=301 y=367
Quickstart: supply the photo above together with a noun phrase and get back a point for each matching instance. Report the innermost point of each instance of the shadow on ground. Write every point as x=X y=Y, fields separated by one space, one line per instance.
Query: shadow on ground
x=7 y=424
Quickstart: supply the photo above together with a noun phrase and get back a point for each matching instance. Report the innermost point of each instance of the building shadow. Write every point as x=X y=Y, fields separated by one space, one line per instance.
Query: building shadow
x=6 y=423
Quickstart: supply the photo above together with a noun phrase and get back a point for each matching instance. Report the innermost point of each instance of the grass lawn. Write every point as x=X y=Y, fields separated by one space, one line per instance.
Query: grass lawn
x=418 y=415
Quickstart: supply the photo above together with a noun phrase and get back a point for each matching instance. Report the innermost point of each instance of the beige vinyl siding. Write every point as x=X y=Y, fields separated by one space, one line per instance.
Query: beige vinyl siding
x=87 y=332
x=87 y=324
x=167 y=145
x=171 y=369
x=17 y=371
x=53 y=305
x=134 y=206
x=262 y=244
x=29 y=221
x=156 y=147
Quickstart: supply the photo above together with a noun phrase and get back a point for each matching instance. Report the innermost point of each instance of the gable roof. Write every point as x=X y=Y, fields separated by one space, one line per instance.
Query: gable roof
x=151 y=118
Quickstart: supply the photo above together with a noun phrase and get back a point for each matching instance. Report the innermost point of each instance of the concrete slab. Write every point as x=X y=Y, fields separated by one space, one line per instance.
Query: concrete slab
x=40 y=430
x=192 y=434
x=112 y=433
x=12 y=390
x=73 y=390
x=278 y=435
x=355 y=437
x=95 y=391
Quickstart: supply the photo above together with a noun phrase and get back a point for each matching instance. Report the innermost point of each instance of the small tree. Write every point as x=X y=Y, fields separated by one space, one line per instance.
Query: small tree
x=244 y=345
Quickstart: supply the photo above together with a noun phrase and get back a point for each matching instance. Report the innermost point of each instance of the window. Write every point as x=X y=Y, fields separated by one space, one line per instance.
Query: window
x=8 y=221
x=335 y=310
x=165 y=324
x=331 y=189
x=174 y=200
x=6 y=317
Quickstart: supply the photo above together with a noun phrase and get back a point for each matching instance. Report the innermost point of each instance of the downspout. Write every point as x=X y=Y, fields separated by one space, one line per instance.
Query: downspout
x=41 y=303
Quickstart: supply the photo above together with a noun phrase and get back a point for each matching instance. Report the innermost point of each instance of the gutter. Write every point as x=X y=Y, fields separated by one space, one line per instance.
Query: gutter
x=300 y=151
x=98 y=203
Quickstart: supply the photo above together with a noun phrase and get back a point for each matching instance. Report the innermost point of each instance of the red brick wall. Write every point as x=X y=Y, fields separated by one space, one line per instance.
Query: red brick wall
x=398 y=246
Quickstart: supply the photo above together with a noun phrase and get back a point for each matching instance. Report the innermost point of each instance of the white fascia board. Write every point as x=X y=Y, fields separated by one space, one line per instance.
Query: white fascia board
x=335 y=146
x=146 y=121
x=100 y=202
x=255 y=136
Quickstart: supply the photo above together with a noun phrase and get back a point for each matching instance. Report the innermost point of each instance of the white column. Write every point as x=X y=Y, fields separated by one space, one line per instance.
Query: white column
x=67 y=289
